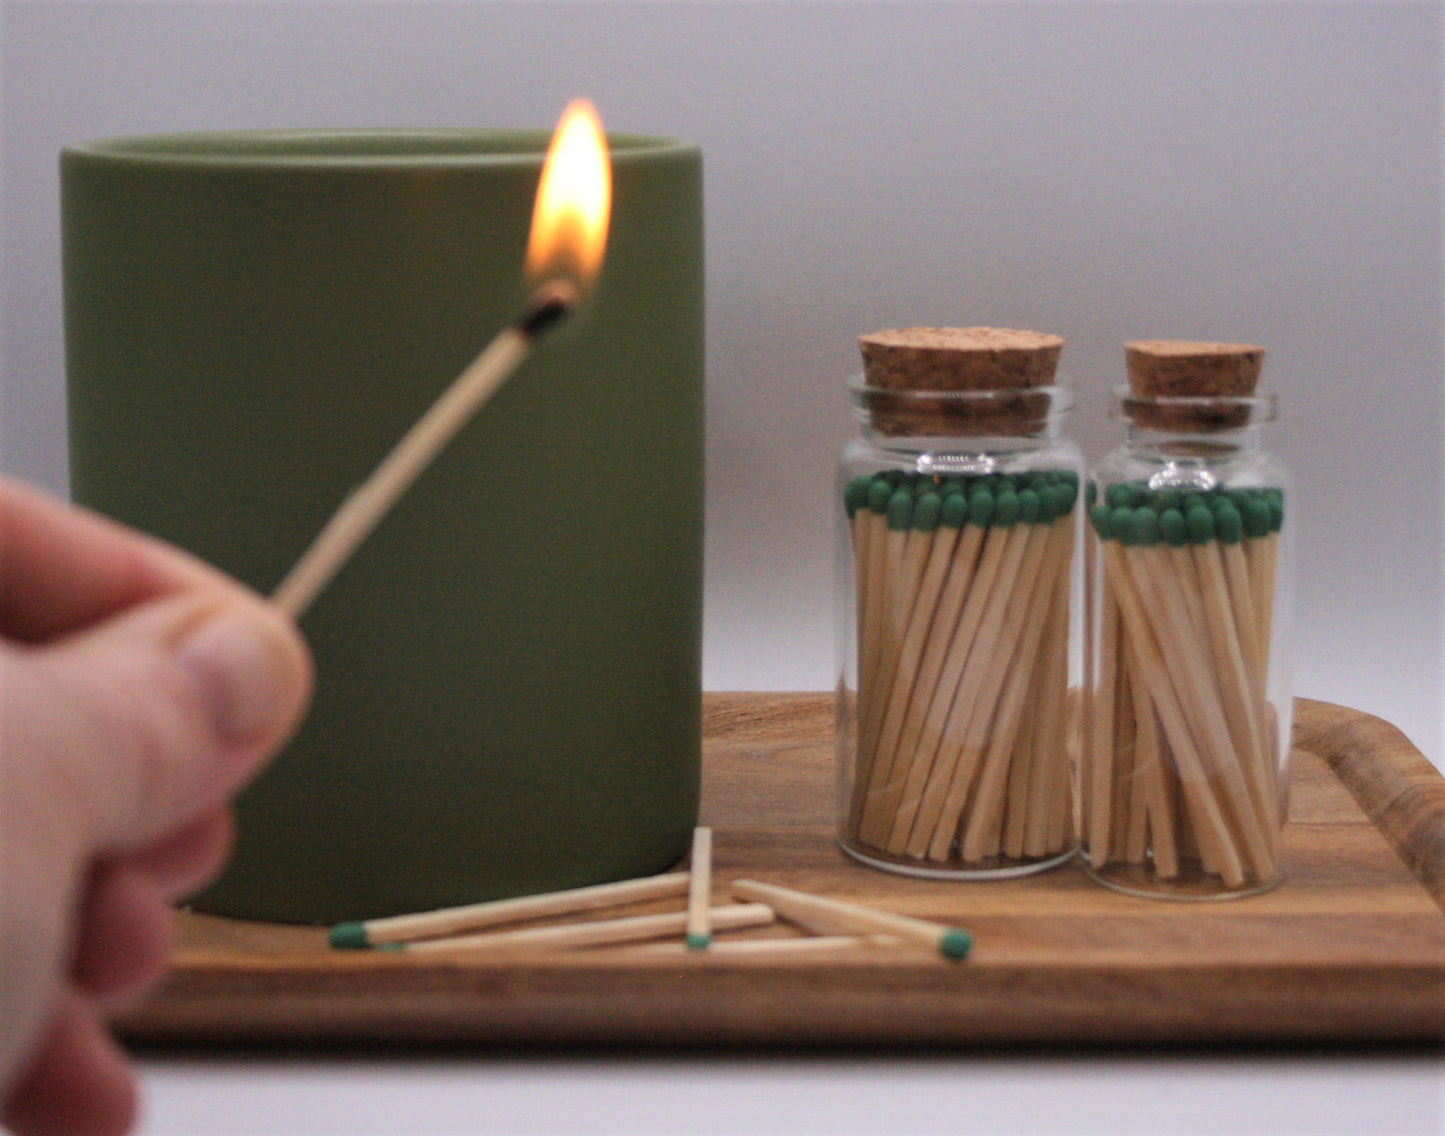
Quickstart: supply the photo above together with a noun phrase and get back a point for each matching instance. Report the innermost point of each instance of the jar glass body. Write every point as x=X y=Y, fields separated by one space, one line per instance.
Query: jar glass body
x=1184 y=766
x=959 y=632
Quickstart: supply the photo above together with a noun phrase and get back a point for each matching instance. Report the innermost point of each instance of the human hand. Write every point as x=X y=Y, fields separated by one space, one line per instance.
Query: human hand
x=139 y=690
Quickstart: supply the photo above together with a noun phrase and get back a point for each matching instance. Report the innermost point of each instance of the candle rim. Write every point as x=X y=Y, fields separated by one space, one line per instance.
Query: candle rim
x=359 y=148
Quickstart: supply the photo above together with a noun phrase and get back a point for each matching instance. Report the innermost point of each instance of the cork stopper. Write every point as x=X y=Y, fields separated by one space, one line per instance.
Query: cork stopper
x=959 y=358
x=1174 y=368
x=922 y=365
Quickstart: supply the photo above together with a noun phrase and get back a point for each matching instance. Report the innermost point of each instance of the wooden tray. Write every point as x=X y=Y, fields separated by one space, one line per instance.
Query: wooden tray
x=1350 y=948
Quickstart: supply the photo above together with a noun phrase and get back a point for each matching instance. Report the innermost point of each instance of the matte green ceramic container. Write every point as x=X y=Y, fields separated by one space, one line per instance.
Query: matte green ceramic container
x=508 y=672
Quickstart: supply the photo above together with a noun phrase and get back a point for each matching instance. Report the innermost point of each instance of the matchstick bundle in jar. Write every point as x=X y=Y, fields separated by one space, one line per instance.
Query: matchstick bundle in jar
x=1184 y=764
x=958 y=569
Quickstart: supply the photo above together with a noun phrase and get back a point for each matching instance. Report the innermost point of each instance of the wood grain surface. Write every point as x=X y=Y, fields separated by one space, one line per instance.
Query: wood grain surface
x=1351 y=948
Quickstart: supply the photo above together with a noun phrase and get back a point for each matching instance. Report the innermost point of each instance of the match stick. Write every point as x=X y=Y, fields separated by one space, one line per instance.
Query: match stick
x=966 y=730
x=951 y=701
x=602 y=932
x=473 y=917
x=945 y=520
x=873 y=585
x=1019 y=654
x=1099 y=745
x=805 y=945
x=1163 y=693
x=564 y=253
x=1189 y=616
x=363 y=510
x=833 y=915
x=699 y=891
x=907 y=767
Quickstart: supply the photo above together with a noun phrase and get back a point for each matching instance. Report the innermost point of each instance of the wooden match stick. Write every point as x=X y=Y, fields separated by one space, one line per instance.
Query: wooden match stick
x=907 y=765
x=472 y=917
x=699 y=891
x=1142 y=638
x=602 y=932
x=951 y=518
x=874 y=585
x=773 y=948
x=360 y=513
x=816 y=912
x=1016 y=657
x=944 y=721
x=965 y=731
x=1099 y=744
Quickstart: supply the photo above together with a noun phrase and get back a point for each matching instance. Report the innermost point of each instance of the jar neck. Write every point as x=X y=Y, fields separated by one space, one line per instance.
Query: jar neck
x=961 y=423
x=1212 y=446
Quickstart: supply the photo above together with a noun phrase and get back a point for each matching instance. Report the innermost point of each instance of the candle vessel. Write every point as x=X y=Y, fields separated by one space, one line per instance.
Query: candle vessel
x=508 y=668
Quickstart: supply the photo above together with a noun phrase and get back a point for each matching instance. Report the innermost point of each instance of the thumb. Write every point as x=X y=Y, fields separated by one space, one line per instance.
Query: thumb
x=157 y=715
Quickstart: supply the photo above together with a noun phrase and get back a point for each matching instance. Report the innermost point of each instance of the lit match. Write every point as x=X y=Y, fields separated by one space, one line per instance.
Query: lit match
x=564 y=255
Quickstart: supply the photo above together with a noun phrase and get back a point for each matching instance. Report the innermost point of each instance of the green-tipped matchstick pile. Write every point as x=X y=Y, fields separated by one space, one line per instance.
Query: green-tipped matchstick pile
x=1180 y=770
x=962 y=634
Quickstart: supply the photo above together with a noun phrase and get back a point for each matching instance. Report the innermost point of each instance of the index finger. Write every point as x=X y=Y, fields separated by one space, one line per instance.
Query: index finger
x=63 y=568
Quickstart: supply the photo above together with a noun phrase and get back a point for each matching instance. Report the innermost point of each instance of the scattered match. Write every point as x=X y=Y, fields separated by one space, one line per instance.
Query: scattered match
x=699 y=892
x=478 y=916
x=822 y=915
x=592 y=933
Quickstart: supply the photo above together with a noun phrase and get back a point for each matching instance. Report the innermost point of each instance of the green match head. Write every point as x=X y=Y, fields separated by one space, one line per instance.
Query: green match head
x=1255 y=513
x=1066 y=496
x=900 y=510
x=696 y=942
x=954 y=513
x=1123 y=495
x=1030 y=506
x=1100 y=515
x=1091 y=494
x=1199 y=519
x=926 y=510
x=855 y=494
x=1167 y=499
x=1005 y=507
x=1228 y=524
x=878 y=494
x=1121 y=524
x=349 y=936
x=955 y=943
x=1066 y=492
x=980 y=506
x=1172 y=528
x=1146 y=527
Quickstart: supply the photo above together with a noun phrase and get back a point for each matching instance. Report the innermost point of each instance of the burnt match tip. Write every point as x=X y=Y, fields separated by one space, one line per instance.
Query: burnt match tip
x=551 y=304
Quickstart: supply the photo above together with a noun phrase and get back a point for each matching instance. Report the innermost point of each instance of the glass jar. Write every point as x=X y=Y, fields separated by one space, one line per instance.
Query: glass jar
x=1184 y=771
x=957 y=631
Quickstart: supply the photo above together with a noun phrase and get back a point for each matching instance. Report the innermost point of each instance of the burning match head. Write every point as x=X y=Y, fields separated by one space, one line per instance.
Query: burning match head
x=553 y=302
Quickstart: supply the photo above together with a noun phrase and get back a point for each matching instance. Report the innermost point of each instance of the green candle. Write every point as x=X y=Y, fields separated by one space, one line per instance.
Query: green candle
x=509 y=668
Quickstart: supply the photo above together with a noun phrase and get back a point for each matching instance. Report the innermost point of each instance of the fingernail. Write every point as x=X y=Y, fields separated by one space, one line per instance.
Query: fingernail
x=239 y=661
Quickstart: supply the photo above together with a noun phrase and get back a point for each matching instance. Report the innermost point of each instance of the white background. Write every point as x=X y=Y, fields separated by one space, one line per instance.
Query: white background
x=1259 y=171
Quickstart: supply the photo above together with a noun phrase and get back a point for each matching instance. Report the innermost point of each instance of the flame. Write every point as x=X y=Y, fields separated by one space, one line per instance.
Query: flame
x=574 y=201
